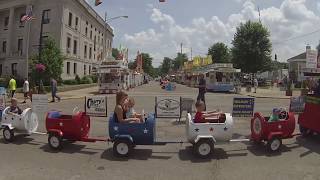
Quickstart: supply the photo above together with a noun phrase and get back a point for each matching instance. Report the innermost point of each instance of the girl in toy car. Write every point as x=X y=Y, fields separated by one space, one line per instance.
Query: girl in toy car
x=205 y=117
x=122 y=108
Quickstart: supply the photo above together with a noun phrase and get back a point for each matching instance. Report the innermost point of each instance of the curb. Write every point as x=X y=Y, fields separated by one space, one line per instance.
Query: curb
x=269 y=97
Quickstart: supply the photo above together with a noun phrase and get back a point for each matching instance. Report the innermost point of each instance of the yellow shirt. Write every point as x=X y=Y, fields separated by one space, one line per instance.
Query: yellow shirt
x=12 y=85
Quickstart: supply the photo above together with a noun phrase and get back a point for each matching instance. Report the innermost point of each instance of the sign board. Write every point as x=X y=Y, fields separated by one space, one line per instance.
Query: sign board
x=40 y=103
x=312 y=59
x=2 y=102
x=96 y=106
x=297 y=104
x=243 y=107
x=168 y=107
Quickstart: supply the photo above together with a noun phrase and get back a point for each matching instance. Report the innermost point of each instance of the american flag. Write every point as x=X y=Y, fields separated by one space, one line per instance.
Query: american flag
x=28 y=16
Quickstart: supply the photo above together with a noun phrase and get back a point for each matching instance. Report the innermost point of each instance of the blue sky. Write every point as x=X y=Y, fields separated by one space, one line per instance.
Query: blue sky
x=159 y=28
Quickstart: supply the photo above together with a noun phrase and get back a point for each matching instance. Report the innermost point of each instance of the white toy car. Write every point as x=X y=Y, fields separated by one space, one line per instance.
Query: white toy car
x=25 y=123
x=204 y=136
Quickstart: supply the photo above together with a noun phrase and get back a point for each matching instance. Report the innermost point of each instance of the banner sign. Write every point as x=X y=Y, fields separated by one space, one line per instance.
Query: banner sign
x=40 y=103
x=168 y=107
x=243 y=107
x=96 y=106
x=2 y=102
x=312 y=61
x=297 y=104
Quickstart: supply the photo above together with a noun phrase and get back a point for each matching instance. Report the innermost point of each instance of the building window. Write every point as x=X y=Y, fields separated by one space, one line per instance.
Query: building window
x=90 y=52
x=86 y=31
x=89 y=70
x=75 y=44
x=84 y=69
x=14 y=69
x=94 y=43
x=90 y=34
x=87 y=23
x=0 y=69
x=4 y=46
x=68 y=44
x=74 y=68
x=6 y=23
x=77 y=22
x=46 y=17
x=20 y=46
x=85 y=51
x=68 y=67
x=70 y=19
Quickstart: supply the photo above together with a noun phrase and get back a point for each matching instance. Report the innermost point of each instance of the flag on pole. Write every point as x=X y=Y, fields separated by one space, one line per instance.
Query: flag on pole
x=28 y=16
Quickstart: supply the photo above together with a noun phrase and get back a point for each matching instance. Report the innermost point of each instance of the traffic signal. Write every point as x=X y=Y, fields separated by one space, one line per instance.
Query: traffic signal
x=97 y=2
x=162 y=0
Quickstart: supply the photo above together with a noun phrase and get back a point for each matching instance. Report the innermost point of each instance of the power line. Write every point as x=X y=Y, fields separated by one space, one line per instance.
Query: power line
x=297 y=37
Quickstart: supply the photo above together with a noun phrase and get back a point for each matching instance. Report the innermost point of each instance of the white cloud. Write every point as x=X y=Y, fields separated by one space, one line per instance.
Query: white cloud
x=292 y=18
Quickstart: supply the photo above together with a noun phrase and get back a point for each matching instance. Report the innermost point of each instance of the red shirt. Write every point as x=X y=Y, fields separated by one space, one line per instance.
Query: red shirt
x=198 y=117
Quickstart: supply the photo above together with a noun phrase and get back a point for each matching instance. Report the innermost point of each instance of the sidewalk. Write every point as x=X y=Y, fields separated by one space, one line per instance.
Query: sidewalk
x=273 y=93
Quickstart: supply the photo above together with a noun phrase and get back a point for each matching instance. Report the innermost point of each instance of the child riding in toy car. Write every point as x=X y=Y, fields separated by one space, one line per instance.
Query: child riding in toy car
x=14 y=109
x=275 y=115
x=205 y=117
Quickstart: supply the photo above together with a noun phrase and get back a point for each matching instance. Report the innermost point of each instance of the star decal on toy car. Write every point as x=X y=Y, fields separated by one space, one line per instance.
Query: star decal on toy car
x=197 y=129
x=279 y=126
x=211 y=129
x=145 y=131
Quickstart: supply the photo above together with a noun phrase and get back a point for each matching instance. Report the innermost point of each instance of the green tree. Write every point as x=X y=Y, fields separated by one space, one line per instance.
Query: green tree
x=179 y=61
x=115 y=53
x=252 y=48
x=132 y=65
x=51 y=58
x=166 y=66
x=220 y=53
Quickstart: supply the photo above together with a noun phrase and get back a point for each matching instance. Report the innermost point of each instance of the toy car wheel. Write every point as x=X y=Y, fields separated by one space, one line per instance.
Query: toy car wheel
x=274 y=144
x=122 y=148
x=203 y=148
x=55 y=141
x=305 y=131
x=8 y=134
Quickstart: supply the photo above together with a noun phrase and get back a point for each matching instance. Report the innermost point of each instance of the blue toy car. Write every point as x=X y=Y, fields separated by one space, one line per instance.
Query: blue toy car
x=126 y=135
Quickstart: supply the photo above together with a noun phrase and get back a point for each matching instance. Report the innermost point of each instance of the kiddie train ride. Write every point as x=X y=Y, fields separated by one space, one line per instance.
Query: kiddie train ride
x=25 y=123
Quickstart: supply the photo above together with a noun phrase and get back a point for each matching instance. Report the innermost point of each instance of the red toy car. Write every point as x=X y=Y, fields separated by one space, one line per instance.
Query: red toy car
x=68 y=127
x=272 y=132
x=309 y=119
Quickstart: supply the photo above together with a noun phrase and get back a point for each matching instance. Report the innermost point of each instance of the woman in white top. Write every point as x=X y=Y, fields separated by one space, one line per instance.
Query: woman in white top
x=26 y=89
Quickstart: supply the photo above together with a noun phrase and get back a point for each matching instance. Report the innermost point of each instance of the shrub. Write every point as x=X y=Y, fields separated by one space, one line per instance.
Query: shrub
x=86 y=80
x=70 y=82
x=77 y=79
x=94 y=78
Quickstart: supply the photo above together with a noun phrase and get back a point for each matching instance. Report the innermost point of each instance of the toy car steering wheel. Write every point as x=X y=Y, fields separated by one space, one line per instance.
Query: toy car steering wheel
x=75 y=110
x=283 y=113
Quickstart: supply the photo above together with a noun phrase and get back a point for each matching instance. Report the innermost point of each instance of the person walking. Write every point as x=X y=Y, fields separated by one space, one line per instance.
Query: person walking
x=12 y=86
x=54 y=85
x=26 y=89
x=255 y=84
x=202 y=90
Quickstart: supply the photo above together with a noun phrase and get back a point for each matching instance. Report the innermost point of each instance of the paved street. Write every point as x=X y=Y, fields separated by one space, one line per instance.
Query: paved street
x=31 y=158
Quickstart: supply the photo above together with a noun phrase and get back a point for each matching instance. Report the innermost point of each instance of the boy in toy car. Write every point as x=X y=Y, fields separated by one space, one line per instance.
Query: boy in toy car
x=203 y=116
x=14 y=109
x=275 y=115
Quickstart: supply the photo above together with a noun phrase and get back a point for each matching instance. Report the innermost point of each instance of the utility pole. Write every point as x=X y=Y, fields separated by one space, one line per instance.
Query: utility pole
x=40 y=39
x=181 y=48
x=191 y=54
x=259 y=14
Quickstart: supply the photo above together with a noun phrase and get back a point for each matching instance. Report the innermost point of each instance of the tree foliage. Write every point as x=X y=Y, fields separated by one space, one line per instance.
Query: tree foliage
x=179 y=61
x=115 y=53
x=220 y=53
x=166 y=65
x=51 y=58
x=252 y=48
